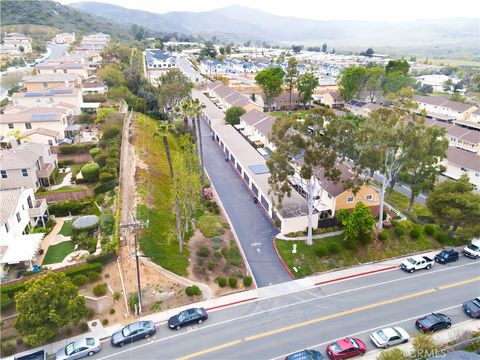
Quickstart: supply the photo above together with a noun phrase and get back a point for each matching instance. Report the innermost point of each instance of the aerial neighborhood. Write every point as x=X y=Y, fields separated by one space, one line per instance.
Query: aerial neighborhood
x=304 y=195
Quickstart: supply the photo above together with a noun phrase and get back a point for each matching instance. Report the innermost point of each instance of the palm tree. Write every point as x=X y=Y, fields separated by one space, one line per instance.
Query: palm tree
x=196 y=111
x=183 y=111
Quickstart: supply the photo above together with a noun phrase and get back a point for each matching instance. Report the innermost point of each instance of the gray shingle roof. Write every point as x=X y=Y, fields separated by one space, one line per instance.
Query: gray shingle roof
x=8 y=203
x=463 y=158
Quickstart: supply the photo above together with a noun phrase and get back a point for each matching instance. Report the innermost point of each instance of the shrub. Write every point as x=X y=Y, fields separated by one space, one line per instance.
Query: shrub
x=217 y=256
x=247 y=281
x=383 y=235
x=222 y=282
x=105 y=322
x=101 y=158
x=424 y=346
x=103 y=188
x=8 y=348
x=84 y=269
x=334 y=248
x=321 y=251
x=440 y=236
x=100 y=290
x=93 y=276
x=76 y=148
x=83 y=326
x=203 y=251
x=399 y=230
x=107 y=222
x=429 y=229
x=211 y=225
x=73 y=207
x=210 y=265
x=90 y=171
x=112 y=311
x=365 y=238
x=351 y=244
x=193 y=290
x=63 y=163
x=212 y=207
x=116 y=295
x=5 y=301
x=68 y=331
x=392 y=354
x=232 y=281
x=90 y=314
x=133 y=302
x=105 y=177
x=79 y=280
x=415 y=232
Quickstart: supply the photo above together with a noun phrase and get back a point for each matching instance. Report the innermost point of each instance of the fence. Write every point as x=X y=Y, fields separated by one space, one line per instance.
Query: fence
x=395 y=211
x=76 y=158
x=63 y=196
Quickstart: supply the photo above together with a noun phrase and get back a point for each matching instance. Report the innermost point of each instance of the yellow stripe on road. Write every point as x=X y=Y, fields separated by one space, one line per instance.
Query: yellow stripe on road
x=332 y=316
x=209 y=350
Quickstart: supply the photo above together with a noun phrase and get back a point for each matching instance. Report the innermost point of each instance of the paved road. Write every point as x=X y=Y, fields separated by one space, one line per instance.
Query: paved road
x=274 y=327
x=57 y=50
x=252 y=226
x=188 y=70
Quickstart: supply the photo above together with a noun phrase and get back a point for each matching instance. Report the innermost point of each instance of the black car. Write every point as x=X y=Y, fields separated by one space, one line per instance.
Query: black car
x=472 y=308
x=133 y=332
x=306 y=354
x=446 y=256
x=187 y=317
x=433 y=322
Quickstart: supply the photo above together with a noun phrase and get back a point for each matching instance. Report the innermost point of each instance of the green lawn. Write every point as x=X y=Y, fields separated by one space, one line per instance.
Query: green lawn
x=401 y=202
x=56 y=253
x=158 y=240
x=63 y=189
x=66 y=229
x=59 y=178
x=300 y=113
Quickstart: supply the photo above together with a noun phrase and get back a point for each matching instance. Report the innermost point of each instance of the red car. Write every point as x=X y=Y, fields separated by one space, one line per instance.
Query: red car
x=346 y=348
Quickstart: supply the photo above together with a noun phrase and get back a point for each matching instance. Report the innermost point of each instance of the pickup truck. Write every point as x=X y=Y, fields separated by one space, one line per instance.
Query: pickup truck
x=414 y=263
x=473 y=250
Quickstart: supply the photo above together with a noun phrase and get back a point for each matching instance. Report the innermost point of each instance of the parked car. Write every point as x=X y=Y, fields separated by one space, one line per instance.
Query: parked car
x=413 y=263
x=79 y=348
x=472 y=307
x=346 y=348
x=187 y=317
x=433 y=322
x=36 y=355
x=133 y=332
x=446 y=256
x=390 y=336
x=472 y=250
x=306 y=354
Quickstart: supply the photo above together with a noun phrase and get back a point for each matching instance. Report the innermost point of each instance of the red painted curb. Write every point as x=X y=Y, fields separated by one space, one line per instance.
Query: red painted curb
x=283 y=263
x=232 y=303
x=356 y=275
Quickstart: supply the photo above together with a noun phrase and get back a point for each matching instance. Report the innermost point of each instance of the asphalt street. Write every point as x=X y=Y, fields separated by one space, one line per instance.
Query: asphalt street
x=272 y=328
x=253 y=227
x=188 y=70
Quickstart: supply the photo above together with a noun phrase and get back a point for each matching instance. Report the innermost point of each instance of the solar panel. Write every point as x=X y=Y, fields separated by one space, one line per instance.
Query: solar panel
x=259 y=169
x=61 y=91
x=33 y=94
x=43 y=117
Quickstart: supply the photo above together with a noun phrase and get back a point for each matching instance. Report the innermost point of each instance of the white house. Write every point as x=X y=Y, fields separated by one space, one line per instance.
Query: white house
x=460 y=162
x=160 y=59
x=15 y=44
x=442 y=108
x=57 y=67
x=55 y=97
x=436 y=81
x=257 y=127
x=94 y=86
x=95 y=41
x=65 y=38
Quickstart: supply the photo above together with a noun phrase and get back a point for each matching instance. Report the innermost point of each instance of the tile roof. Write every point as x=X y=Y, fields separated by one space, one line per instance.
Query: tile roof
x=50 y=78
x=22 y=156
x=472 y=136
x=37 y=114
x=252 y=117
x=8 y=203
x=41 y=131
x=463 y=158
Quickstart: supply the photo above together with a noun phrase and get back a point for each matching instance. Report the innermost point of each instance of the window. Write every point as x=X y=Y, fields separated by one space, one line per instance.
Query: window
x=45 y=85
x=464 y=169
x=29 y=201
x=265 y=203
x=477 y=174
x=10 y=126
x=24 y=172
x=4 y=174
x=49 y=152
x=28 y=126
x=350 y=199
x=7 y=229
x=254 y=189
x=369 y=197
x=50 y=142
x=19 y=218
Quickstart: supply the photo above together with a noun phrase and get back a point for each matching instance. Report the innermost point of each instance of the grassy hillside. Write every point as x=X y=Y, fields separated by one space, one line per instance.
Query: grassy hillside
x=52 y=14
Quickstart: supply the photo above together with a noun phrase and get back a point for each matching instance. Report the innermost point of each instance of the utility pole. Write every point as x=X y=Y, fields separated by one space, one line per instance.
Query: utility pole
x=135 y=225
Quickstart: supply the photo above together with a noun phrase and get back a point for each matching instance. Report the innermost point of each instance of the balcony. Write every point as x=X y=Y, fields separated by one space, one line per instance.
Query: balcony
x=39 y=208
x=45 y=172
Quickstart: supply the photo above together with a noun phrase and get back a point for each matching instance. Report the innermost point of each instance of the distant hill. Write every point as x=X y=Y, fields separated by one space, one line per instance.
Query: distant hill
x=452 y=34
x=55 y=15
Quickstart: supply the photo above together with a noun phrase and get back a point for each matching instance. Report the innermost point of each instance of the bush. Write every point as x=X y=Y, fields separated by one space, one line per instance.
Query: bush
x=351 y=244
x=211 y=225
x=217 y=256
x=222 y=282
x=76 y=149
x=383 y=235
x=83 y=326
x=90 y=314
x=210 y=265
x=203 y=251
x=93 y=276
x=247 y=281
x=399 y=230
x=112 y=311
x=133 y=302
x=107 y=222
x=63 y=163
x=84 y=269
x=106 y=177
x=8 y=348
x=334 y=248
x=392 y=354
x=232 y=281
x=68 y=207
x=429 y=229
x=90 y=171
x=103 y=188
x=94 y=151
x=116 y=295
x=193 y=290
x=440 y=236
x=5 y=302
x=101 y=158
x=321 y=251
x=68 y=331
x=105 y=322
x=415 y=232
x=80 y=280
x=100 y=290
x=424 y=347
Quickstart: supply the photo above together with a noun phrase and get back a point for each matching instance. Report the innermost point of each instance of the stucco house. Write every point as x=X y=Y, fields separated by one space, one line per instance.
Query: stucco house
x=47 y=81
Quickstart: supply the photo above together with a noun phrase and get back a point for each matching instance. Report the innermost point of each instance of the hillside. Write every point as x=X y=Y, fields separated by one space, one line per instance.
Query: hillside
x=52 y=14
x=442 y=35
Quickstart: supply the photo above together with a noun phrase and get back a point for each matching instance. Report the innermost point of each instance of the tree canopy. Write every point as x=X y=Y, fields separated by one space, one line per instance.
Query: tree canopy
x=232 y=115
x=271 y=82
x=291 y=77
x=307 y=83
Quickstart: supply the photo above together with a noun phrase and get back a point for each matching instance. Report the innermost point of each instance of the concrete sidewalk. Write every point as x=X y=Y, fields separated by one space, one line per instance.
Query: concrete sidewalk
x=249 y=296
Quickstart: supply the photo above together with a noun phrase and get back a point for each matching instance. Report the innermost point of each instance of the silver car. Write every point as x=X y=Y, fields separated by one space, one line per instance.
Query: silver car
x=389 y=337
x=79 y=348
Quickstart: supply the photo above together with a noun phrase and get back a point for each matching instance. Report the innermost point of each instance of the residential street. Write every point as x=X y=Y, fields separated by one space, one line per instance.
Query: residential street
x=272 y=328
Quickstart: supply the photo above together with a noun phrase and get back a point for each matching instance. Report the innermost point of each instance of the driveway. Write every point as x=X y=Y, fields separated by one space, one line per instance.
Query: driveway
x=253 y=227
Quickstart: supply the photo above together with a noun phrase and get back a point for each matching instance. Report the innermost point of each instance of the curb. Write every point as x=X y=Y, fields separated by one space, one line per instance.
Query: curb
x=281 y=260
x=231 y=304
x=356 y=275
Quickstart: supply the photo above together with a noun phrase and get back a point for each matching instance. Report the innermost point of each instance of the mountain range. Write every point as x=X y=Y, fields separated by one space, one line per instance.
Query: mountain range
x=242 y=22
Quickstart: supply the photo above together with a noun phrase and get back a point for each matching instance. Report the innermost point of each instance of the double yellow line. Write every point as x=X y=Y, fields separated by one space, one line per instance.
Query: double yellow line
x=329 y=317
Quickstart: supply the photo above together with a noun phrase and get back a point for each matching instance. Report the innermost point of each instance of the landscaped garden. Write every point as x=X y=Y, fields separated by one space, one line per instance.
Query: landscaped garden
x=56 y=253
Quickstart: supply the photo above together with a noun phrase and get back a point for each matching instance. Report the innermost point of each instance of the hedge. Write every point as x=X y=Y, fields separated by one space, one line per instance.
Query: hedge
x=90 y=171
x=103 y=188
x=106 y=177
x=62 y=163
x=76 y=148
x=73 y=207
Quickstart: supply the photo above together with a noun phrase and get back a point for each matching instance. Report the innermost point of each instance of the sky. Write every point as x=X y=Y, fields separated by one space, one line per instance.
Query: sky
x=366 y=10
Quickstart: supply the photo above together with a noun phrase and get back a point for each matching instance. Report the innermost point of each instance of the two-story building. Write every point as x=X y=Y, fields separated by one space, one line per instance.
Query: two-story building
x=65 y=38
x=43 y=82
x=282 y=102
x=94 y=86
x=76 y=68
x=160 y=59
x=54 y=97
x=225 y=97
x=95 y=41
x=15 y=44
x=332 y=99
x=442 y=108
x=26 y=165
x=257 y=127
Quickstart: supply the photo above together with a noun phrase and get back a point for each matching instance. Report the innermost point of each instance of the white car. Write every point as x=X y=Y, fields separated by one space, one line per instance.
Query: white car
x=389 y=337
x=473 y=250
x=413 y=263
x=79 y=348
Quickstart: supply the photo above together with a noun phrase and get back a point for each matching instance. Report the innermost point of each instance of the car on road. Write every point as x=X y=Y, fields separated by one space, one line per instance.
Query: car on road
x=390 y=336
x=446 y=256
x=307 y=354
x=472 y=250
x=133 y=332
x=79 y=348
x=433 y=322
x=413 y=263
x=472 y=307
x=346 y=348
x=188 y=317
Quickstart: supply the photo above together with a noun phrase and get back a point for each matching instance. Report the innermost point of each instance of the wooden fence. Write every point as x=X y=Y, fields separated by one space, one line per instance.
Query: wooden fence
x=62 y=196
